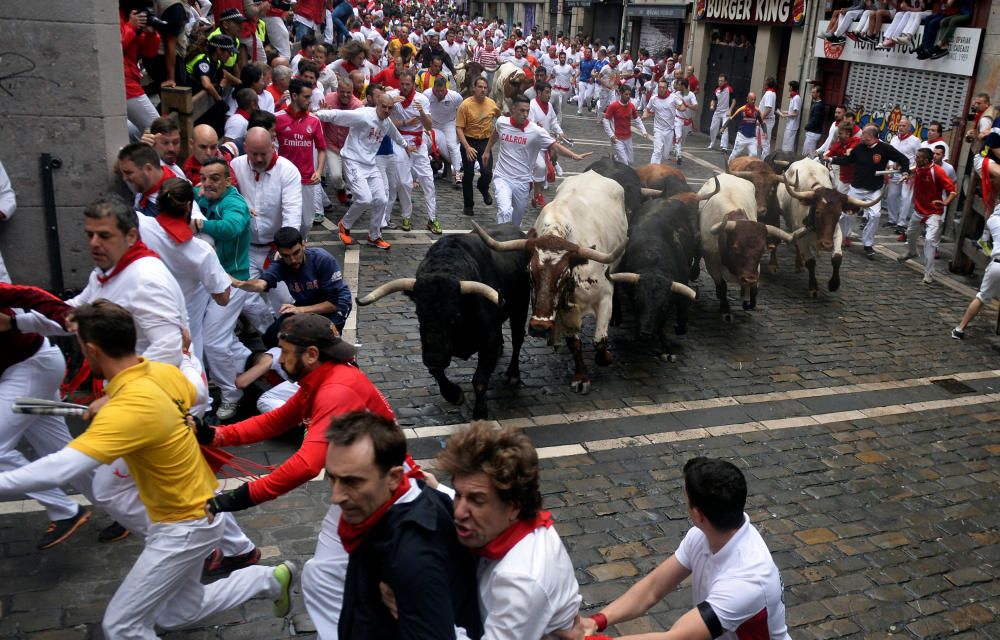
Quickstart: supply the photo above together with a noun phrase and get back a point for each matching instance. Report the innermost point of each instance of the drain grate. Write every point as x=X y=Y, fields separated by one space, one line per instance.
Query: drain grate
x=953 y=386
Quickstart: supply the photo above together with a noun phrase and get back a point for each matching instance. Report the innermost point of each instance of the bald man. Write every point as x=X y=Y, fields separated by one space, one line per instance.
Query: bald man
x=203 y=146
x=748 y=119
x=271 y=185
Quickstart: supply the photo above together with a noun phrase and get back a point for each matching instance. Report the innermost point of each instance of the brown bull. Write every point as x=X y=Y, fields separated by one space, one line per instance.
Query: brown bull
x=765 y=183
x=660 y=177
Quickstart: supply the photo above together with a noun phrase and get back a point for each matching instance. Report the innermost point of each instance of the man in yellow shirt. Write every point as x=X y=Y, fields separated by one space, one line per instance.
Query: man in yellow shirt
x=474 y=122
x=143 y=422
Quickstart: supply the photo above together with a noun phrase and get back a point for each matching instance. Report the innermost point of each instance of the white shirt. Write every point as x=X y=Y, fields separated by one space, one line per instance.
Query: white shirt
x=8 y=199
x=562 y=76
x=794 y=105
x=443 y=111
x=275 y=196
x=739 y=582
x=366 y=132
x=626 y=67
x=531 y=591
x=941 y=143
x=517 y=149
x=907 y=147
x=236 y=128
x=664 y=111
x=265 y=101
x=546 y=120
x=456 y=50
x=549 y=63
x=194 y=264
x=404 y=114
x=768 y=101
x=151 y=294
x=607 y=75
x=691 y=101
x=950 y=170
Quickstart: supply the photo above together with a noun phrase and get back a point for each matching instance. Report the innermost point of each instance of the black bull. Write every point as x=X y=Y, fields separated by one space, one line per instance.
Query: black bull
x=661 y=251
x=624 y=175
x=464 y=292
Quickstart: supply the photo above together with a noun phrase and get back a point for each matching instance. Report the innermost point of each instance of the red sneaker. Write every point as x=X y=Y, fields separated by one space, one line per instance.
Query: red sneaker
x=901 y=237
x=847 y=242
x=379 y=243
x=345 y=234
x=342 y=196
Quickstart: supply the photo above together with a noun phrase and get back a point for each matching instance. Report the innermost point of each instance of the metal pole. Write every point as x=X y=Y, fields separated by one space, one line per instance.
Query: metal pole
x=49 y=164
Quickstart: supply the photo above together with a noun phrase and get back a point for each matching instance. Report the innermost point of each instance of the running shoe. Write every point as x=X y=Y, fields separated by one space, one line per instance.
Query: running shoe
x=434 y=227
x=379 y=243
x=284 y=574
x=957 y=334
x=407 y=225
x=342 y=196
x=345 y=233
x=60 y=530
x=226 y=410
x=112 y=533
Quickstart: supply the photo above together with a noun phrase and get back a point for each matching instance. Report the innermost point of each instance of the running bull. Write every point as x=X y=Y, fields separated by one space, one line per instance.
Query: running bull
x=464 y=292
x=577 y=239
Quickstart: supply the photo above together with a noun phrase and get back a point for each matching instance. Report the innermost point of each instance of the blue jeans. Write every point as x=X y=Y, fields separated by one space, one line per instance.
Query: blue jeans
x=932 y=24
x=340 y=14
x=300 y=30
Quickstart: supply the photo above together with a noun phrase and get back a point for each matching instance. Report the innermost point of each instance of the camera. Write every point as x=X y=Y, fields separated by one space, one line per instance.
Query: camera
x=152 y=19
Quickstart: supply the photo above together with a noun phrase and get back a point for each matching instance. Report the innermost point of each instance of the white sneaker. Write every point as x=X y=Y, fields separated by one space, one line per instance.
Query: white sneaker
x=226 y=410
x=928 y=279
x=559 y=170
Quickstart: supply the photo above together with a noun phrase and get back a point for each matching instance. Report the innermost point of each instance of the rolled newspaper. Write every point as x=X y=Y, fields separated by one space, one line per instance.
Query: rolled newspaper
x=42 y=407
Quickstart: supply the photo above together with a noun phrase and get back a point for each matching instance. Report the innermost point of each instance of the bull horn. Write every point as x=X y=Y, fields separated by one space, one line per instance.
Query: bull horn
x=484 y=290
x=746 y=175
x=775 y=232
x=781 y=163
x=601 y=256
x=400 y=284
x=863 y=204
x=624 y=277
x=730 y=225
x=683 y=290
x=792 y=191
x=798 y=233
x=718 y=188
x=496 y=245
x=651 y=193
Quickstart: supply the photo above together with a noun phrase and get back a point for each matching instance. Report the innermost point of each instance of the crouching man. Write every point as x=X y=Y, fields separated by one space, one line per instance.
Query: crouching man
x=736 y=588
x=527 y=588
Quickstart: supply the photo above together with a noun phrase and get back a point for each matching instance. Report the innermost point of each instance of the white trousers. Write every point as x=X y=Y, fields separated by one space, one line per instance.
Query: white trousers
x=334 y=169
x=587 y=91
x=369 y=195
x=323 y=578
x=744 y=143
x=277 y=35
x=899 y=201
x=788 y=140
x=262 y=308
x=225 y=355
x=255 y=48
x=663 y=144
x=164 y=587
x=141 y=112
x=389 y=171
x=905 y=22
x=874 y=213
x=541 y=168
x=4 y=276
x=681 y=131
x=559 y=98
x=845 y=20
x=810 y=143
x=718 y=119
x=623 y=151
x=765 y=138
x=311 y=205
x=604 y=98
x=933 y=225
x=416 y=165
x=447 y=144
x=277 y=396
x=37 y=377
x=114 y=491
x=512 y=199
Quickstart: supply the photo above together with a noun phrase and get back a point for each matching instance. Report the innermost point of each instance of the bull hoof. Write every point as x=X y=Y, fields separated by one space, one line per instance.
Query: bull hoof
x=727 y=317
x=814 y=293
x=454 y=398
x=580 y=386
x=512 y=380
x=668 y=357
x=604 y=358
x=749 y=306
x=834 y=284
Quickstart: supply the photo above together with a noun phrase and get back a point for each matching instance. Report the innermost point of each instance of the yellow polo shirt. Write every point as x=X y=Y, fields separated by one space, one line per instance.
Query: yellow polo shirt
x=143 y=422
x=476 y=119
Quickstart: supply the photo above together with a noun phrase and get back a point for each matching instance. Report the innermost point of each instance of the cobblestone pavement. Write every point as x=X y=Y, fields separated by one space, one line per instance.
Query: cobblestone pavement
x=868 y=436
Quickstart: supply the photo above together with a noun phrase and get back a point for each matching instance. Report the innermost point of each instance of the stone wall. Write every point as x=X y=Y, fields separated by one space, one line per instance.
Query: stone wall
x=61 y=92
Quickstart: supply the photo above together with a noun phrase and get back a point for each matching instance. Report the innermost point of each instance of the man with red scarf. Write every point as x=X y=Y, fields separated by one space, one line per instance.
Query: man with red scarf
x=138 y=40
x=399 y=534
x=930 y=182
x=140 y=168
x=527 y=588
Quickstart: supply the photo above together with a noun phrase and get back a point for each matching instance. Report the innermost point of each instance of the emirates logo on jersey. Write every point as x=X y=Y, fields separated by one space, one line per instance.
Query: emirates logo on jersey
x=309 y=130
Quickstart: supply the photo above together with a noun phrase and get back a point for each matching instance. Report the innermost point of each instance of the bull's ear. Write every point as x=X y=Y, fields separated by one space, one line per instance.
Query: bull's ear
x=576 y=260
x=532 y=233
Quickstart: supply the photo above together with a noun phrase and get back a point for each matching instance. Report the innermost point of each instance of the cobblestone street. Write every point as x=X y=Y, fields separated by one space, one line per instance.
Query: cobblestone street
x=868 y=436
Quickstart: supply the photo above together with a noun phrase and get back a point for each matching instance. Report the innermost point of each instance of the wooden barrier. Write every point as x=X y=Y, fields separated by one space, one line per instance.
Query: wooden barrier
x=188 y=108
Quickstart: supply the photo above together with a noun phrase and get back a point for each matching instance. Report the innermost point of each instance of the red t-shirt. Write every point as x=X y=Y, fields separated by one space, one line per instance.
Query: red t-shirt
x=841 y=149
x=327 y=392
x=387 y=77
x=928 y=185
x=621 y=116
x=298 y=136
x=136 y=43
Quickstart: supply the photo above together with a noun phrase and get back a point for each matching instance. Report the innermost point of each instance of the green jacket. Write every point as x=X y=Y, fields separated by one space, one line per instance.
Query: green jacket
x=228 y=222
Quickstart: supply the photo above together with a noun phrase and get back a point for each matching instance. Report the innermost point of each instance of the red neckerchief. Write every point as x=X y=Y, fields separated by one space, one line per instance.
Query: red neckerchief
x=749 y=111
x=270 y=165
x=719 y=90
x=297 y=115
x=244 y=113
x=166 y=174
x=903 y=136
x=975 y=120
x=133 y=253
x=408 y=100
x=793 y=93
x=521 y=127
x=544 y=106
x=929 y=141
x=989 y=197
x=352 y=535
x=349 y=66
x=192 y=169
x=498 y=547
